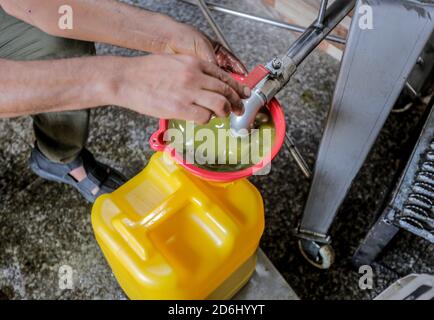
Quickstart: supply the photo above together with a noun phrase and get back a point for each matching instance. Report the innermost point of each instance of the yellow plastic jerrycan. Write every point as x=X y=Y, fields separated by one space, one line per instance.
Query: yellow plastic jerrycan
x=170 y=235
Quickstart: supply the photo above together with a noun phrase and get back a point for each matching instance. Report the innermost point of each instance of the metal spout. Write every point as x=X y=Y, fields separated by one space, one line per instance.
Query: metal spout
x=241 y=125
x=281 y=69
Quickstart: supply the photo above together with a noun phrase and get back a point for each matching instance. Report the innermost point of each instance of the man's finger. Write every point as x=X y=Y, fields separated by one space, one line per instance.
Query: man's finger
x=204 y=51
x=227 y=60
x=218 y=103
x=214 y=71
x=197 y=114
x=225 y=90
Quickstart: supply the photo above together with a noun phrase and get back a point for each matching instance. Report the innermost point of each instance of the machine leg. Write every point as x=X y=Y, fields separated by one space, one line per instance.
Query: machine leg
x=381 y=51
x=380 y=234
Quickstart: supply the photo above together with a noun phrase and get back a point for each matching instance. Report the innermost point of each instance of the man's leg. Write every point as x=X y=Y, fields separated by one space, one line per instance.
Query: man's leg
x=60 y=136
x=59 y=154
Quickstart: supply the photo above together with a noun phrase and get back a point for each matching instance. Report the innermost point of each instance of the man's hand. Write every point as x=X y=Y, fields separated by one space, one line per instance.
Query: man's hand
x=228 y=61
x=188 y=87
x=187 y=40
x=126 y=26
x=177 y=87
x=163 y=86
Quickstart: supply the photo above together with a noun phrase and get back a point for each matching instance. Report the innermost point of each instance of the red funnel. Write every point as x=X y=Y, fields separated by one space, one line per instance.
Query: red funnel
x=157 y=143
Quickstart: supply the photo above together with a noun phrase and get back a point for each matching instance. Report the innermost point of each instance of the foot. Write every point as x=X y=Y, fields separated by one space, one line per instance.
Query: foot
x=79 y=175
x=90 y=177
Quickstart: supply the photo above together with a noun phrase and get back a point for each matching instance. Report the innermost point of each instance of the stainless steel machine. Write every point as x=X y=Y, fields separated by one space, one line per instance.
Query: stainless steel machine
x=381 y=61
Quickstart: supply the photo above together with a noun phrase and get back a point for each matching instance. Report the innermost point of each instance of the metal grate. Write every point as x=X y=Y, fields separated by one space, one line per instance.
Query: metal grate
x=417 y=215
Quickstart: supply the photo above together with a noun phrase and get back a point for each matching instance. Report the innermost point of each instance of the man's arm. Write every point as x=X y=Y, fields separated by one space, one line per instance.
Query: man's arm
x=163 y=86
x=47 y=86
x=116 y=23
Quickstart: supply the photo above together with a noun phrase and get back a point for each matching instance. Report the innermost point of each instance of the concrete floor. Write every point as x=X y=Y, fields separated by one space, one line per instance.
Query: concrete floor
x=45 y=225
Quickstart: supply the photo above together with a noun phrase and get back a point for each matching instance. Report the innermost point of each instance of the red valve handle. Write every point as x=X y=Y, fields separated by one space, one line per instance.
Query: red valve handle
x=256 y=76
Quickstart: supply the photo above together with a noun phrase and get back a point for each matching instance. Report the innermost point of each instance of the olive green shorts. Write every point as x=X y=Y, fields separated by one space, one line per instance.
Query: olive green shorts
x=60 y=135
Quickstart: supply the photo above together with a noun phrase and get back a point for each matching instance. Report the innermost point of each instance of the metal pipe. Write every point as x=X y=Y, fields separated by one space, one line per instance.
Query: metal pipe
x=272 y=22
x=296 y=155
x=321 y=14
x=282 y=69
x=205 y=10
x=312 y=37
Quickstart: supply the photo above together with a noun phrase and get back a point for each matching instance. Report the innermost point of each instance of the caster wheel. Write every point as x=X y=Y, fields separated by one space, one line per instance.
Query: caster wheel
x=321 y=256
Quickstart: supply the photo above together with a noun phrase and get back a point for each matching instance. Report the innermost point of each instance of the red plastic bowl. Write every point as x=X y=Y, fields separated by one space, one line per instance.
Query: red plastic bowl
x=157 y=144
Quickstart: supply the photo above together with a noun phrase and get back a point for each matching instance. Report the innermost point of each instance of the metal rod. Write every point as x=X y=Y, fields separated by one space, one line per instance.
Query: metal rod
x=321 y=14
x=219 y=33
x=272 y=22
x=313 y=36
x=412 y=90
x=295 y=153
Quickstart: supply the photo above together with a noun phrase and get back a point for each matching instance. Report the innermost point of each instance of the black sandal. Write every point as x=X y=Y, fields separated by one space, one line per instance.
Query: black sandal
x=98 y=175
